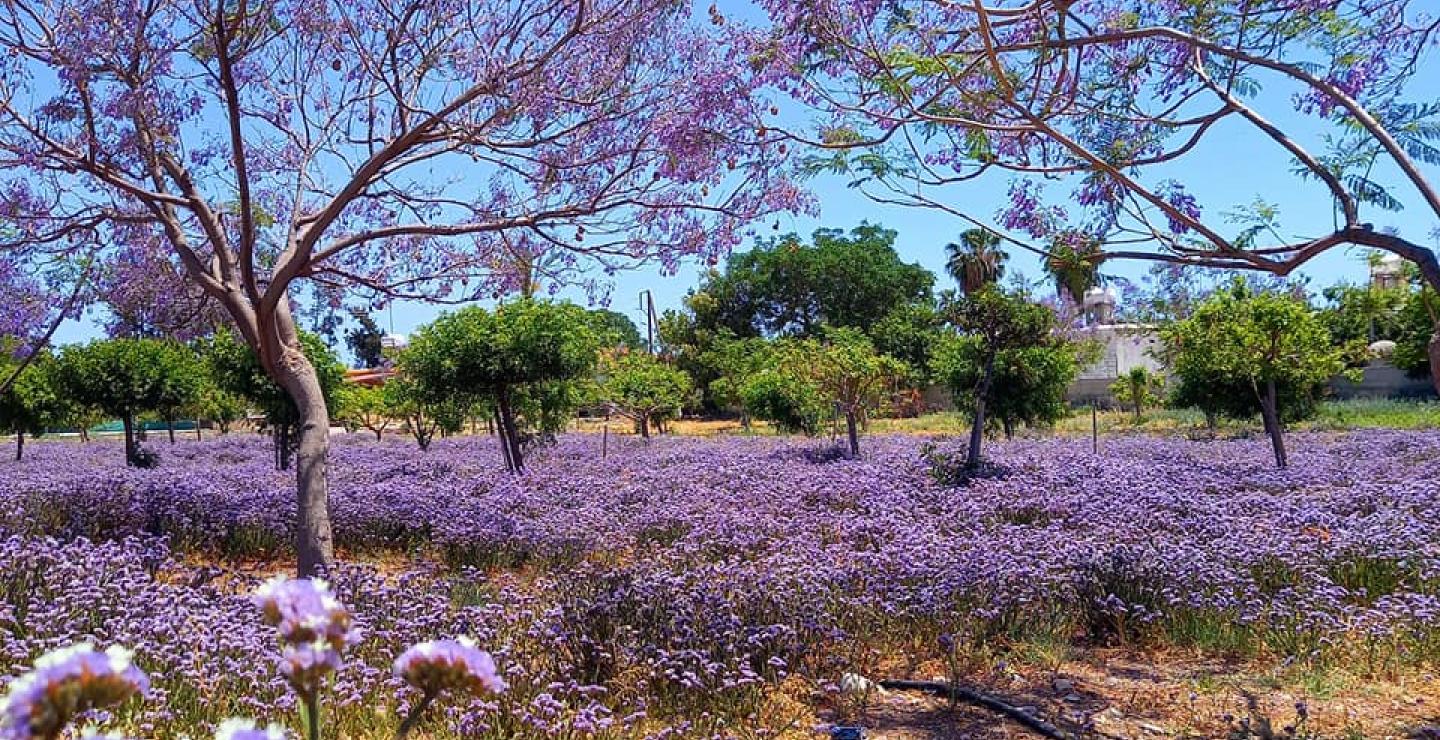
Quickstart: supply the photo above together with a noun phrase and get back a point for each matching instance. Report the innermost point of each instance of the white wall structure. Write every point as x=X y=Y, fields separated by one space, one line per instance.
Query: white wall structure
x=1123 y=346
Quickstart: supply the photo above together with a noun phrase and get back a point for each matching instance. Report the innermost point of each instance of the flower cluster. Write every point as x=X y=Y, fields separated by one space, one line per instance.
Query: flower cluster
x=314 y=628
x=65 y=684
x=441 y=665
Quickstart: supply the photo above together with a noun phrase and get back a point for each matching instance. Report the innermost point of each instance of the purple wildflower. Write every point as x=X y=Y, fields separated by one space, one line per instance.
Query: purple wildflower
x=64 y=684
x=438 y=665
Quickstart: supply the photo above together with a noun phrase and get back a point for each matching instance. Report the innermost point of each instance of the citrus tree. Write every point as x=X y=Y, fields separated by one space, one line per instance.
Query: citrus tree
x=503 y=358
x=1244 y=348
x=366 y=408
x=130 y=377
x=643 y=388
x=842 y=370
x=1004 y=350
x=34 y=401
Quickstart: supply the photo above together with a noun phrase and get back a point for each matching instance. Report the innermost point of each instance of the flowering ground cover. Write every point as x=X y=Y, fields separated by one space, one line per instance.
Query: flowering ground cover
x=698 y=587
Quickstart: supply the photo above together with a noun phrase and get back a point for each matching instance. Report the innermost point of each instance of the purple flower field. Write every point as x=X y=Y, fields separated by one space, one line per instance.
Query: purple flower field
x=675 y=587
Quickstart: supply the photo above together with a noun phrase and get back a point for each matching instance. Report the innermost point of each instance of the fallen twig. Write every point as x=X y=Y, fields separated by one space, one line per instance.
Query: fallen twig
x=946 y=690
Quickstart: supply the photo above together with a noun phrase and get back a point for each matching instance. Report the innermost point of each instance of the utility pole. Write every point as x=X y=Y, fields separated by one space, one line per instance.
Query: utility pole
x=647 y=304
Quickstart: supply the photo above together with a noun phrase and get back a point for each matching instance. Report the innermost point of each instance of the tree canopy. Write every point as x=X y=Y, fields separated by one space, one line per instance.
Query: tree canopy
x=128 y=377
x=1252 y=352
x=785 y=287
x=504 y=357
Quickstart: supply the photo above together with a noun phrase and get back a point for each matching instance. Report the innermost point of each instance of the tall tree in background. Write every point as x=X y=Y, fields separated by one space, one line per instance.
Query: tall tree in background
x=364 y=341
x=976 y=260
x=787 y=288
x=374 y=147
x=784 y=287
x=1100 y=103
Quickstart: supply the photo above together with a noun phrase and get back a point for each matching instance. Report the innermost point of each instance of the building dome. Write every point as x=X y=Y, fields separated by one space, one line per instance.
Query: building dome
x=1382 y=349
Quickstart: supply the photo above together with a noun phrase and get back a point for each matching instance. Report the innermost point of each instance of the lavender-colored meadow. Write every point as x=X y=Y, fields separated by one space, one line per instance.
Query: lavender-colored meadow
x=672 y=586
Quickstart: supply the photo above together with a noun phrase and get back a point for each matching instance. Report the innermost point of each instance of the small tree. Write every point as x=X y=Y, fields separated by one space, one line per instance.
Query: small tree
x=789 y=401
x=236 y=370
x=843 y=370
x=365 y=406
x=33 y=402
x=641 y=387
x=1028 y=386
x=501 y=356
x=1138 y=388
x=737 y=361
x=1257 y=345
x=422 y=416
x=850 y=372
x=219 y=406
x=993 y=323
x=129 y=377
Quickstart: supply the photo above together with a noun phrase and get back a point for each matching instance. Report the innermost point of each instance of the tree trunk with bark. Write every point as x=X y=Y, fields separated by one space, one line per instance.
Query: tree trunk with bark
x=1270 y=414
x=128 y=421
x=314 y=543
x=19 y=446
x=1434 y=351
x=284 y=436
x=509 y=432
x=977 y=427
x=852 y=433
x=170 y=428
x=642 y=423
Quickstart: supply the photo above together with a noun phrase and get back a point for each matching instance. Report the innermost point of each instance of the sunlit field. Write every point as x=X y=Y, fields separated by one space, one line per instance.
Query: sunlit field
x=701 y=586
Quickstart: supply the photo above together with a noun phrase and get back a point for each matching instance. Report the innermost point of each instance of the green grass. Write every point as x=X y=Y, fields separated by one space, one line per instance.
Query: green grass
x=1332 y=416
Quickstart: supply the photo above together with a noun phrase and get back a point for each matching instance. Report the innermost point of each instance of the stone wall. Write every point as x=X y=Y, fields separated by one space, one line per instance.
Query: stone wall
x=1380 y=379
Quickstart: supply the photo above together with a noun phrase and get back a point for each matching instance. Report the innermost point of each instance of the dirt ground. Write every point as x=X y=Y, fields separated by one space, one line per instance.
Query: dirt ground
x=1127 y=694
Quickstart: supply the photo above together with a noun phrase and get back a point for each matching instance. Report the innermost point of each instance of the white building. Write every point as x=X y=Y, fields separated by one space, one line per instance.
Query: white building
x=1123 y=346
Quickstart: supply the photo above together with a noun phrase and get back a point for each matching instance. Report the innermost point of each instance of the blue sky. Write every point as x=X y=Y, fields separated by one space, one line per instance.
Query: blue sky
x=1233 y=166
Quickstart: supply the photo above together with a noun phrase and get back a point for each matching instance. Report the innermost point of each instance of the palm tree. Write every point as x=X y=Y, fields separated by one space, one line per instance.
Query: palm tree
x=1074 y=264
x=977 y=261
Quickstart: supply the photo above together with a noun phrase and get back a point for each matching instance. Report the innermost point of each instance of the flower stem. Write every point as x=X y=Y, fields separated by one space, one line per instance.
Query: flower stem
x=413 y=718
x=311 y=714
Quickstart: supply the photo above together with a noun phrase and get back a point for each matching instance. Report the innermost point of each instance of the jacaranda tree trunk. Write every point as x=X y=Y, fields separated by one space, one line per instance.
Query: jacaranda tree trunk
x=314 y=544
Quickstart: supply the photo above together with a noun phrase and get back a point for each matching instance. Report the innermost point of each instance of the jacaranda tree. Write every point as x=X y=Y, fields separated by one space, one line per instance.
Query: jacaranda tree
x=372 y=150
x=1101 y=102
